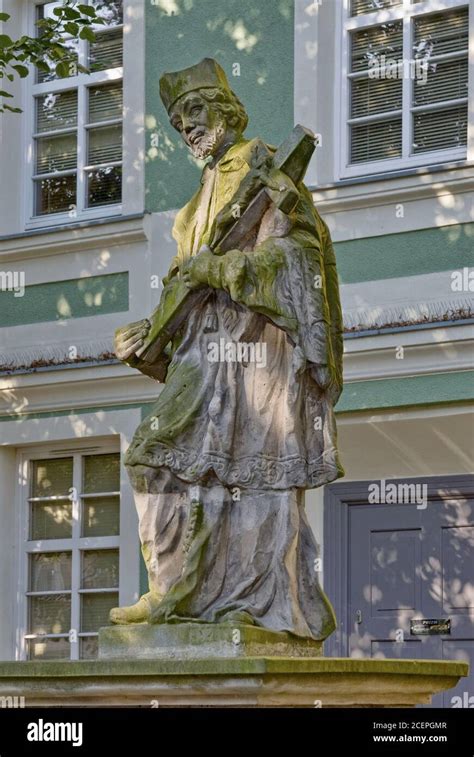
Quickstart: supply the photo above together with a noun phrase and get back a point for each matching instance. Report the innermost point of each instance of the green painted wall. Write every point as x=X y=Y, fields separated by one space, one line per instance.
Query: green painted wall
x=258 y=35
x=409 y=391
x=58 y=300
x=407 y=253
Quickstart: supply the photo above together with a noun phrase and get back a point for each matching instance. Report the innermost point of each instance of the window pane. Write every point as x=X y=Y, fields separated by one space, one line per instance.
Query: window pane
x=50 y=571
x=56 y=111
x=105 y=103
x=95 y=610
x=106 y=51
x=104 y=186
x=446 y=80
x=105 y=144
x=369 y=45
x=440 y=130
x=100 y=569
x=369 y=6
x=101 y=516
x=50 y=614
x=56 y=153
x=43 y=76
x=55 y=195
x=101 y=473
x=51 y=520
x=370 y=96
x=48 y=649
x=89 y=647
x=46 y=11
x=52 y=477
x=441 y=33
x=376 y=141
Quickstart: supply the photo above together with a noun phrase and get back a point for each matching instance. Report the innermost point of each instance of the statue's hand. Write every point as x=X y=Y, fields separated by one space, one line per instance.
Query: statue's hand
x=203 y=270
x=129 y=339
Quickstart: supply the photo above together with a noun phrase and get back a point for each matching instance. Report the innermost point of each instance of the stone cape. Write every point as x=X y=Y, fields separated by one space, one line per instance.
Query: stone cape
x=220 y=464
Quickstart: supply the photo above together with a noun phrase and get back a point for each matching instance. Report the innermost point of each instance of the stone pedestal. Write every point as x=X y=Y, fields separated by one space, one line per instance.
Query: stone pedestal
x=194 y=665
x=242 y=682
x=197 y=641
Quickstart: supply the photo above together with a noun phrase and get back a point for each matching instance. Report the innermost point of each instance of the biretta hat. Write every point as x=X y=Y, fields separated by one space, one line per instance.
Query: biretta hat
x=207 y=73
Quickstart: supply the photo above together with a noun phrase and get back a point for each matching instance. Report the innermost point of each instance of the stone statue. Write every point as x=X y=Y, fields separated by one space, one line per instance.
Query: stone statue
x=245 y=420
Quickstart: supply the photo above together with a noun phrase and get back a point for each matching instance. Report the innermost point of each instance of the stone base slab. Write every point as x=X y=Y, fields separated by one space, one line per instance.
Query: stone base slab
x=194 y=641
x=241 y=682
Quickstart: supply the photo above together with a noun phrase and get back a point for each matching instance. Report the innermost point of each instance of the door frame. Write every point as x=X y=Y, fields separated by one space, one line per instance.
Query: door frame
x=338 y=498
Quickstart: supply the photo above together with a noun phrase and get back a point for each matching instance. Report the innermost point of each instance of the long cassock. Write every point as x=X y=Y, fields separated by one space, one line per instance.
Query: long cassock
x=243 y=426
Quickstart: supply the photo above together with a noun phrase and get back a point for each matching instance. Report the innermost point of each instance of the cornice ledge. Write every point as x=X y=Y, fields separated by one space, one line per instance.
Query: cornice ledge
x=73 y=240
x=338 y=199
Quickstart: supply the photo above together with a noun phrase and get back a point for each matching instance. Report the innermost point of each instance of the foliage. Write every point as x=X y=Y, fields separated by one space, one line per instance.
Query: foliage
x=52 y=49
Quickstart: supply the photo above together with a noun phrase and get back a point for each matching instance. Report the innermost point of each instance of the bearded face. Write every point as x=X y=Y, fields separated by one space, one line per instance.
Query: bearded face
x=201 y=126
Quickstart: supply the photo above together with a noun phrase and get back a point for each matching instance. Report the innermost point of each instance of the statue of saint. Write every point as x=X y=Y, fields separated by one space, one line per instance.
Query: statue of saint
x=244 y=423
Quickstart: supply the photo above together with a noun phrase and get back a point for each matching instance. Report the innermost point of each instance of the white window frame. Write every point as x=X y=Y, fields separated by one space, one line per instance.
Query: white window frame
x=77 y=543
x=405 y=12
x=80 y=82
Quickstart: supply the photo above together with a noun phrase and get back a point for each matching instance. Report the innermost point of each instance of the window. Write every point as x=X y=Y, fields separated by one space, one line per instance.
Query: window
x=70 y=554
x=405 y=83
x=76 y=148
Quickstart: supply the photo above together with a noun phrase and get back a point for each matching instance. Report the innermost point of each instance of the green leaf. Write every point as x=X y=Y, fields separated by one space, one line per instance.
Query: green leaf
x=62 y=70
x=5 y=40
x=58 y=51
x=71 y=13
x=10 y=77
x=58 y=11
x=4 y=16
x=87 y=10
x=5 y=94
x=87 y=34
x=71 y=28
x=21 y=70
x=13 y=110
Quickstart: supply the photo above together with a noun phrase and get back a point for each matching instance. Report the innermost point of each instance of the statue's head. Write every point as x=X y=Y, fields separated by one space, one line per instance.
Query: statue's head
x=202 y=107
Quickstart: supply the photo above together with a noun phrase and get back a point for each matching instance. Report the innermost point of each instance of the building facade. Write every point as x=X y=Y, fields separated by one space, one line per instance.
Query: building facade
x=94 y=175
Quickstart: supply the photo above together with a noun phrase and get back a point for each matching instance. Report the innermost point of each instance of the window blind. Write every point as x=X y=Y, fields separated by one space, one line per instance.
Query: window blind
x=359 y=7
x=441 y=41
